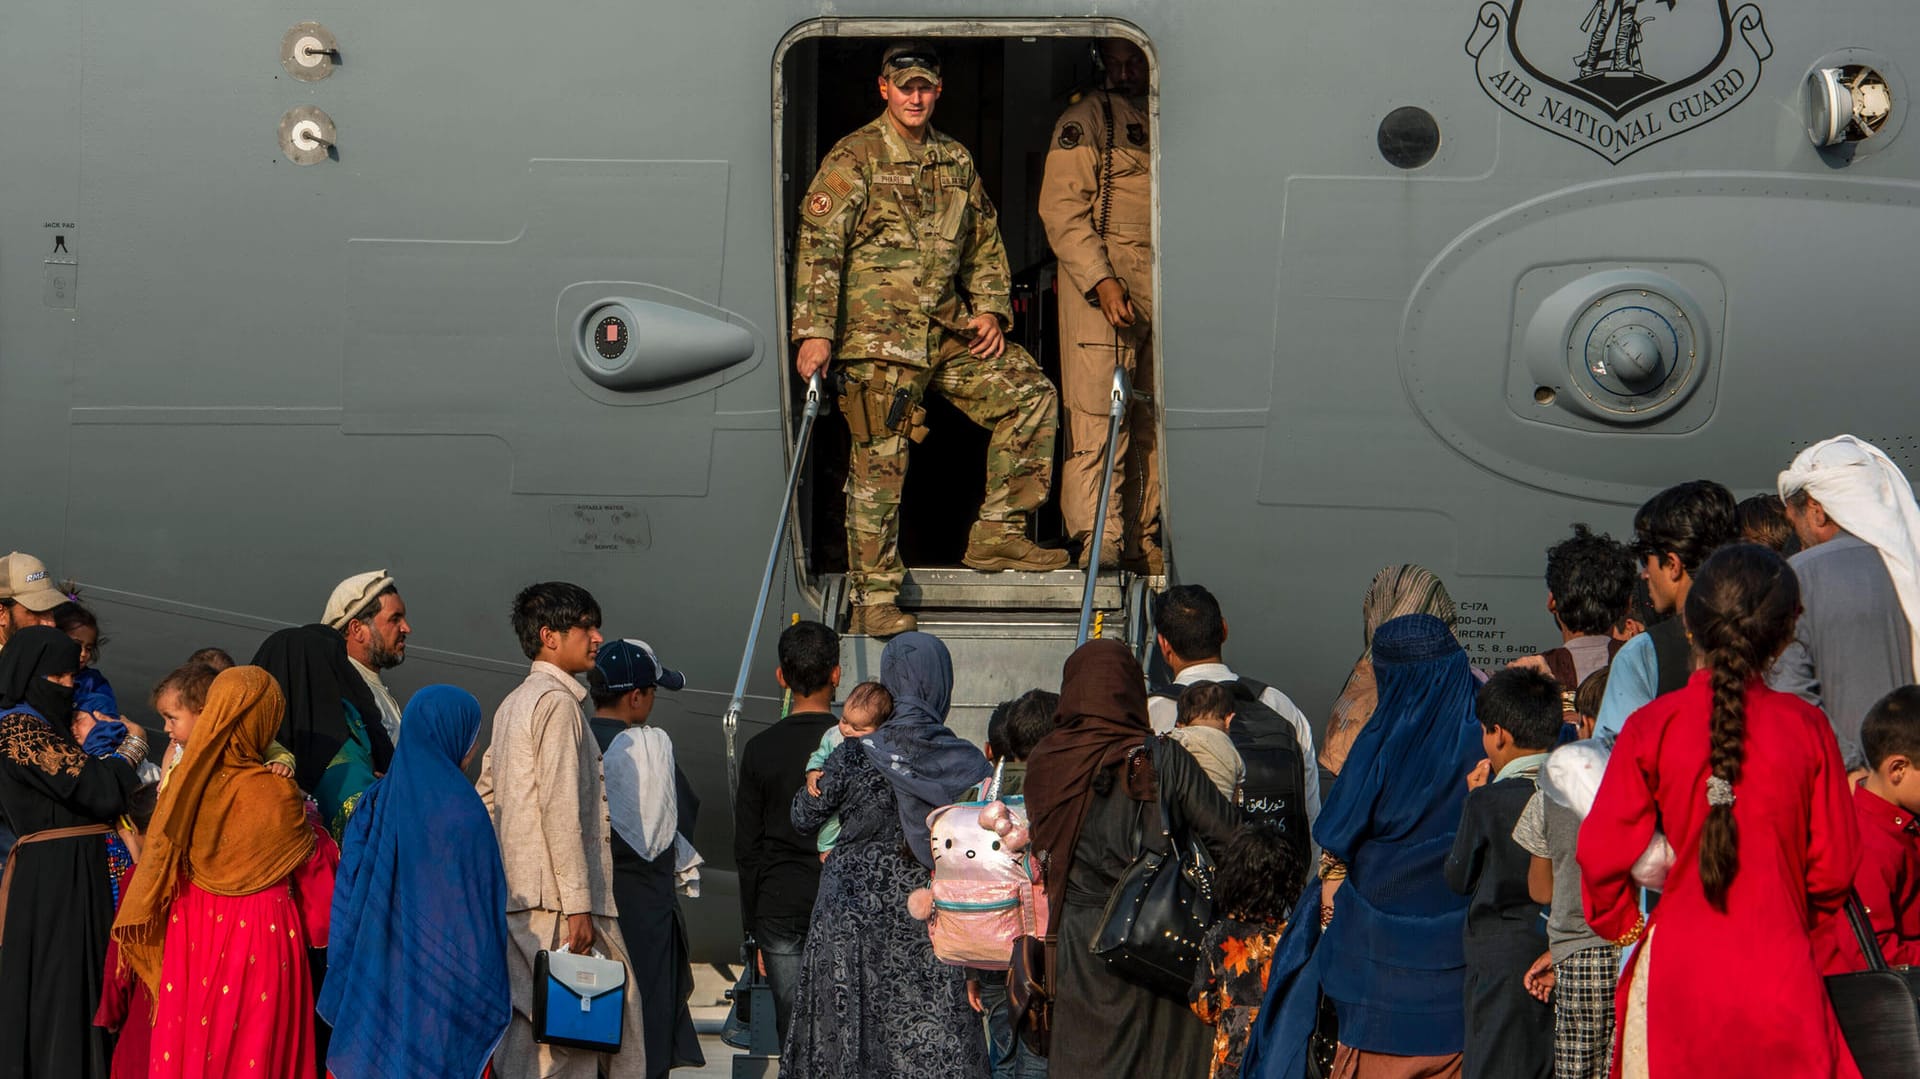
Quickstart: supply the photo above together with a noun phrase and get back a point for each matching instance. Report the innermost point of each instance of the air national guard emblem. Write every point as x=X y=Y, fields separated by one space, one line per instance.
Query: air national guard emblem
x=819 y=203
x=1617 y=76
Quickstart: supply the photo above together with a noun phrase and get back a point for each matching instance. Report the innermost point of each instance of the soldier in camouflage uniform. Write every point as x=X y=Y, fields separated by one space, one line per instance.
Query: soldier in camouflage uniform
x=900 y=270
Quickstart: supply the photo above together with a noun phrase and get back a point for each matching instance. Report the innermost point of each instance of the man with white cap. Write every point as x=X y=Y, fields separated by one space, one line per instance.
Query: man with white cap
x=27 y=594
x=367 y=610
x=1855 y=514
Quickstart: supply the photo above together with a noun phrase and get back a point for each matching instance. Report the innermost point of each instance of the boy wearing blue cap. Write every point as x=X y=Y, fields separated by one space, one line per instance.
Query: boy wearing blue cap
x=651 y=806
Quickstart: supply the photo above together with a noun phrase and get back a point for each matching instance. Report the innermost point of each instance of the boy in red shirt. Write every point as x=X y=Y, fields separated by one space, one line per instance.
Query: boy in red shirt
x=1886 y=803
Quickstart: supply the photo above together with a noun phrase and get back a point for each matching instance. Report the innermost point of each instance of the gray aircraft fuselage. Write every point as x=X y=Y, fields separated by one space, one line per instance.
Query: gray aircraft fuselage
x=230 y=380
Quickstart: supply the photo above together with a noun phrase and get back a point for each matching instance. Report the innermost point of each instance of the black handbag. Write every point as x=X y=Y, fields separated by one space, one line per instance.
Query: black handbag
x=1152 y=930
x=1878 y=1008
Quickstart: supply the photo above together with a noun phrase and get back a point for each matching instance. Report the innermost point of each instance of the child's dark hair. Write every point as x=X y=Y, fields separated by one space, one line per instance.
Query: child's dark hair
x=1526 y=703
x=1763 y=520
x=191 y=681
x=140 y=805
x=1893 y=726
x=70 y=616
x=871 y=695
x=1260 y=877
x=1593 y=691
x=1740 y=613
x=1204 y=700
x=1591 y=580
x=217 y=658
x=1029 y=720
x=1690 y=520
x=997 y=731
x=554 y=605
x=809 y=651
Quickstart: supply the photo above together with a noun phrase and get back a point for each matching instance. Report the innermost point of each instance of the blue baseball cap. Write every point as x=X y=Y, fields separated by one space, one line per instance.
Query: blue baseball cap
x=627 y=665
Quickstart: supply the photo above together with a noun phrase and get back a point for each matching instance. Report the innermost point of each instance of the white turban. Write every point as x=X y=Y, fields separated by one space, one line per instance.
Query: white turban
x=1864 y=492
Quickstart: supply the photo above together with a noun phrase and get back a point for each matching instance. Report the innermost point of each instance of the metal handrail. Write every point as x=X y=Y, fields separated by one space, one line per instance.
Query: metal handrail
x=730 y=723
x=1116 y=412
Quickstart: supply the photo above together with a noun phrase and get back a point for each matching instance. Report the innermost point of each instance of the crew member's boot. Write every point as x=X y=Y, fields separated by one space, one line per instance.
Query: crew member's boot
x=879 y=620
x=1149 y=560
x=1109 y=550
x=993 y=546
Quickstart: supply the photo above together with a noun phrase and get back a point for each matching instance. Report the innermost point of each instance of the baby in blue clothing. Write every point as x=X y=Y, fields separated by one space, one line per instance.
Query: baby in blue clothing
x=868 y=706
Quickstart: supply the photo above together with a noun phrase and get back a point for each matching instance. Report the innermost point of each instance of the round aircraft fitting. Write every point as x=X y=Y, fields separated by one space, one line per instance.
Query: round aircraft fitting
x=306 y=135
x=1623 y=346
x=308 y=52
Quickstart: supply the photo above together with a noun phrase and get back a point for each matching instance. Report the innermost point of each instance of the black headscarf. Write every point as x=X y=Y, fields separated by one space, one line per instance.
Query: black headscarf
x=310 y=663
x=1101 y=717
x=31 y=656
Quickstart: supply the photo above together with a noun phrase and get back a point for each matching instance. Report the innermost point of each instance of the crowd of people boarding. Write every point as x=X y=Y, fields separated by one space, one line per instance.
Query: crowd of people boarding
x=300 y=879
x=1638 y=853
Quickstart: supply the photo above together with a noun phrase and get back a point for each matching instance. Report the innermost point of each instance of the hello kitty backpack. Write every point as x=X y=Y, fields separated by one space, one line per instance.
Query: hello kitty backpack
x=986 y=887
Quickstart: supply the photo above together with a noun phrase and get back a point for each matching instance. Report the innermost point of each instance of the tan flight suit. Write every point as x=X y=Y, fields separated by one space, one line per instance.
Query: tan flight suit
x=1075 y=201
x=898 y=248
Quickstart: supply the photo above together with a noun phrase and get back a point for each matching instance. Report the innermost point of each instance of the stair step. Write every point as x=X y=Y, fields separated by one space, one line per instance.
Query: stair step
x=944 y=588
x=996 y=656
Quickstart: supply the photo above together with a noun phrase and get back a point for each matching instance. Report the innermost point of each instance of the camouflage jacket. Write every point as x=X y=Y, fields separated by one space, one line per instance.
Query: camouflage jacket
x=896 y=249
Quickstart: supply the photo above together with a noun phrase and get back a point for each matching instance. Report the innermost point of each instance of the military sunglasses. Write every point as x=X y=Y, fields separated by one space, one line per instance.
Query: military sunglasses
x=913 y=59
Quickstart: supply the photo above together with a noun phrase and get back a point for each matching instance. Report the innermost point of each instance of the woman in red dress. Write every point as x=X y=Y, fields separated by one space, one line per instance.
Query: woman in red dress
x=234 y=886
x=1748 y=786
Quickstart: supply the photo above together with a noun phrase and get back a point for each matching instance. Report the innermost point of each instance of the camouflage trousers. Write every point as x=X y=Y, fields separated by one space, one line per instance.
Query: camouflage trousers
x=1010 y=395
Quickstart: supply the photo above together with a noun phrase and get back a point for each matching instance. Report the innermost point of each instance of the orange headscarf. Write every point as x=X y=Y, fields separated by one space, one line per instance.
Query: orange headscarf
x=224 y=822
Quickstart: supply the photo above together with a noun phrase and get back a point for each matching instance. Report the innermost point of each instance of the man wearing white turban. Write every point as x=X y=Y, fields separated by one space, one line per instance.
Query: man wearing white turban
x=1859 y=583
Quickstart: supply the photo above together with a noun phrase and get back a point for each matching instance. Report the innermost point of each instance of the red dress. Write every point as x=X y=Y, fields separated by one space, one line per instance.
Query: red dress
x=235 y=995
x=1739 y=993
x=125 y=1006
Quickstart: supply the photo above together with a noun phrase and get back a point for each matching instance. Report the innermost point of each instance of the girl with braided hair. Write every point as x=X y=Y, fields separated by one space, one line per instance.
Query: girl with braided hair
x=1748 y=786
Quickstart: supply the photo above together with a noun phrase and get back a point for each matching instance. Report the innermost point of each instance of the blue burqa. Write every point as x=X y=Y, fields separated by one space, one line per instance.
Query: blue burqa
x=417 y=967
x=928 y=765
x=1392 y=960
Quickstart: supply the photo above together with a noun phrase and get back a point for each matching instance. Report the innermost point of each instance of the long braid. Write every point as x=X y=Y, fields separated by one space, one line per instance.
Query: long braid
x=1740 y=614
x=1732 y=670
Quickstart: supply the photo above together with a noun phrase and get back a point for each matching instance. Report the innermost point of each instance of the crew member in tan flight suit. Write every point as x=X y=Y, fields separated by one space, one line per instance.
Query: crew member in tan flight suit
x=1096 y=202
x=900 y=272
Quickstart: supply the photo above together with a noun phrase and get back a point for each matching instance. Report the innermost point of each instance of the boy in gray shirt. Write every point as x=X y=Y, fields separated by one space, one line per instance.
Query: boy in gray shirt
x=1580 y=968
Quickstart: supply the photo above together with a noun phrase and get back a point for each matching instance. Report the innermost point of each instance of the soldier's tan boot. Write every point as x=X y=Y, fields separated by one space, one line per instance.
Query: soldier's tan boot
x=993 y=550
x=880 y=620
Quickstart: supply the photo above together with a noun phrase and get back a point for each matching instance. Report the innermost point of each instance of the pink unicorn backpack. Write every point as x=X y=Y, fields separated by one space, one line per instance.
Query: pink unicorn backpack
x=986 y=887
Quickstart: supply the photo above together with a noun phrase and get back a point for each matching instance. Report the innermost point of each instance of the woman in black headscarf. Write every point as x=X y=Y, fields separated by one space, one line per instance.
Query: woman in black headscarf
x=58 y=906
x=1083 y=810
x=332 y=725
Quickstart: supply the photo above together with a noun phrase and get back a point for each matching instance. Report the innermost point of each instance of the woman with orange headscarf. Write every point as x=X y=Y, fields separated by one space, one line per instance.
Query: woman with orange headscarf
x=234 y=886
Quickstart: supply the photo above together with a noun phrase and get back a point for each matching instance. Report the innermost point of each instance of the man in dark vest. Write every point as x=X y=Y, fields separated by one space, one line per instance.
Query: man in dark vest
x=1268 y=728
x=1672 y=535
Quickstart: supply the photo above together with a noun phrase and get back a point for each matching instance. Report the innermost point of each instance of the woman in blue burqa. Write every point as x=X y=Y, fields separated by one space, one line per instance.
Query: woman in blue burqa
x=1389 y=957
x=417 y=983
x=872 y=1000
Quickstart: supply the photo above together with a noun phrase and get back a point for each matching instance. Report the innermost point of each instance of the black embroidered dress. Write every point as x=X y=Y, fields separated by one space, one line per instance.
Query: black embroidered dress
x=60 y=908
x=872 y=999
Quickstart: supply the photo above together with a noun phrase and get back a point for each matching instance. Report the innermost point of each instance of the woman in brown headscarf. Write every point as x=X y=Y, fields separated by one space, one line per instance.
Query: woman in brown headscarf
x=1396 y=590
x=235 y=883
x=1083 y=813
